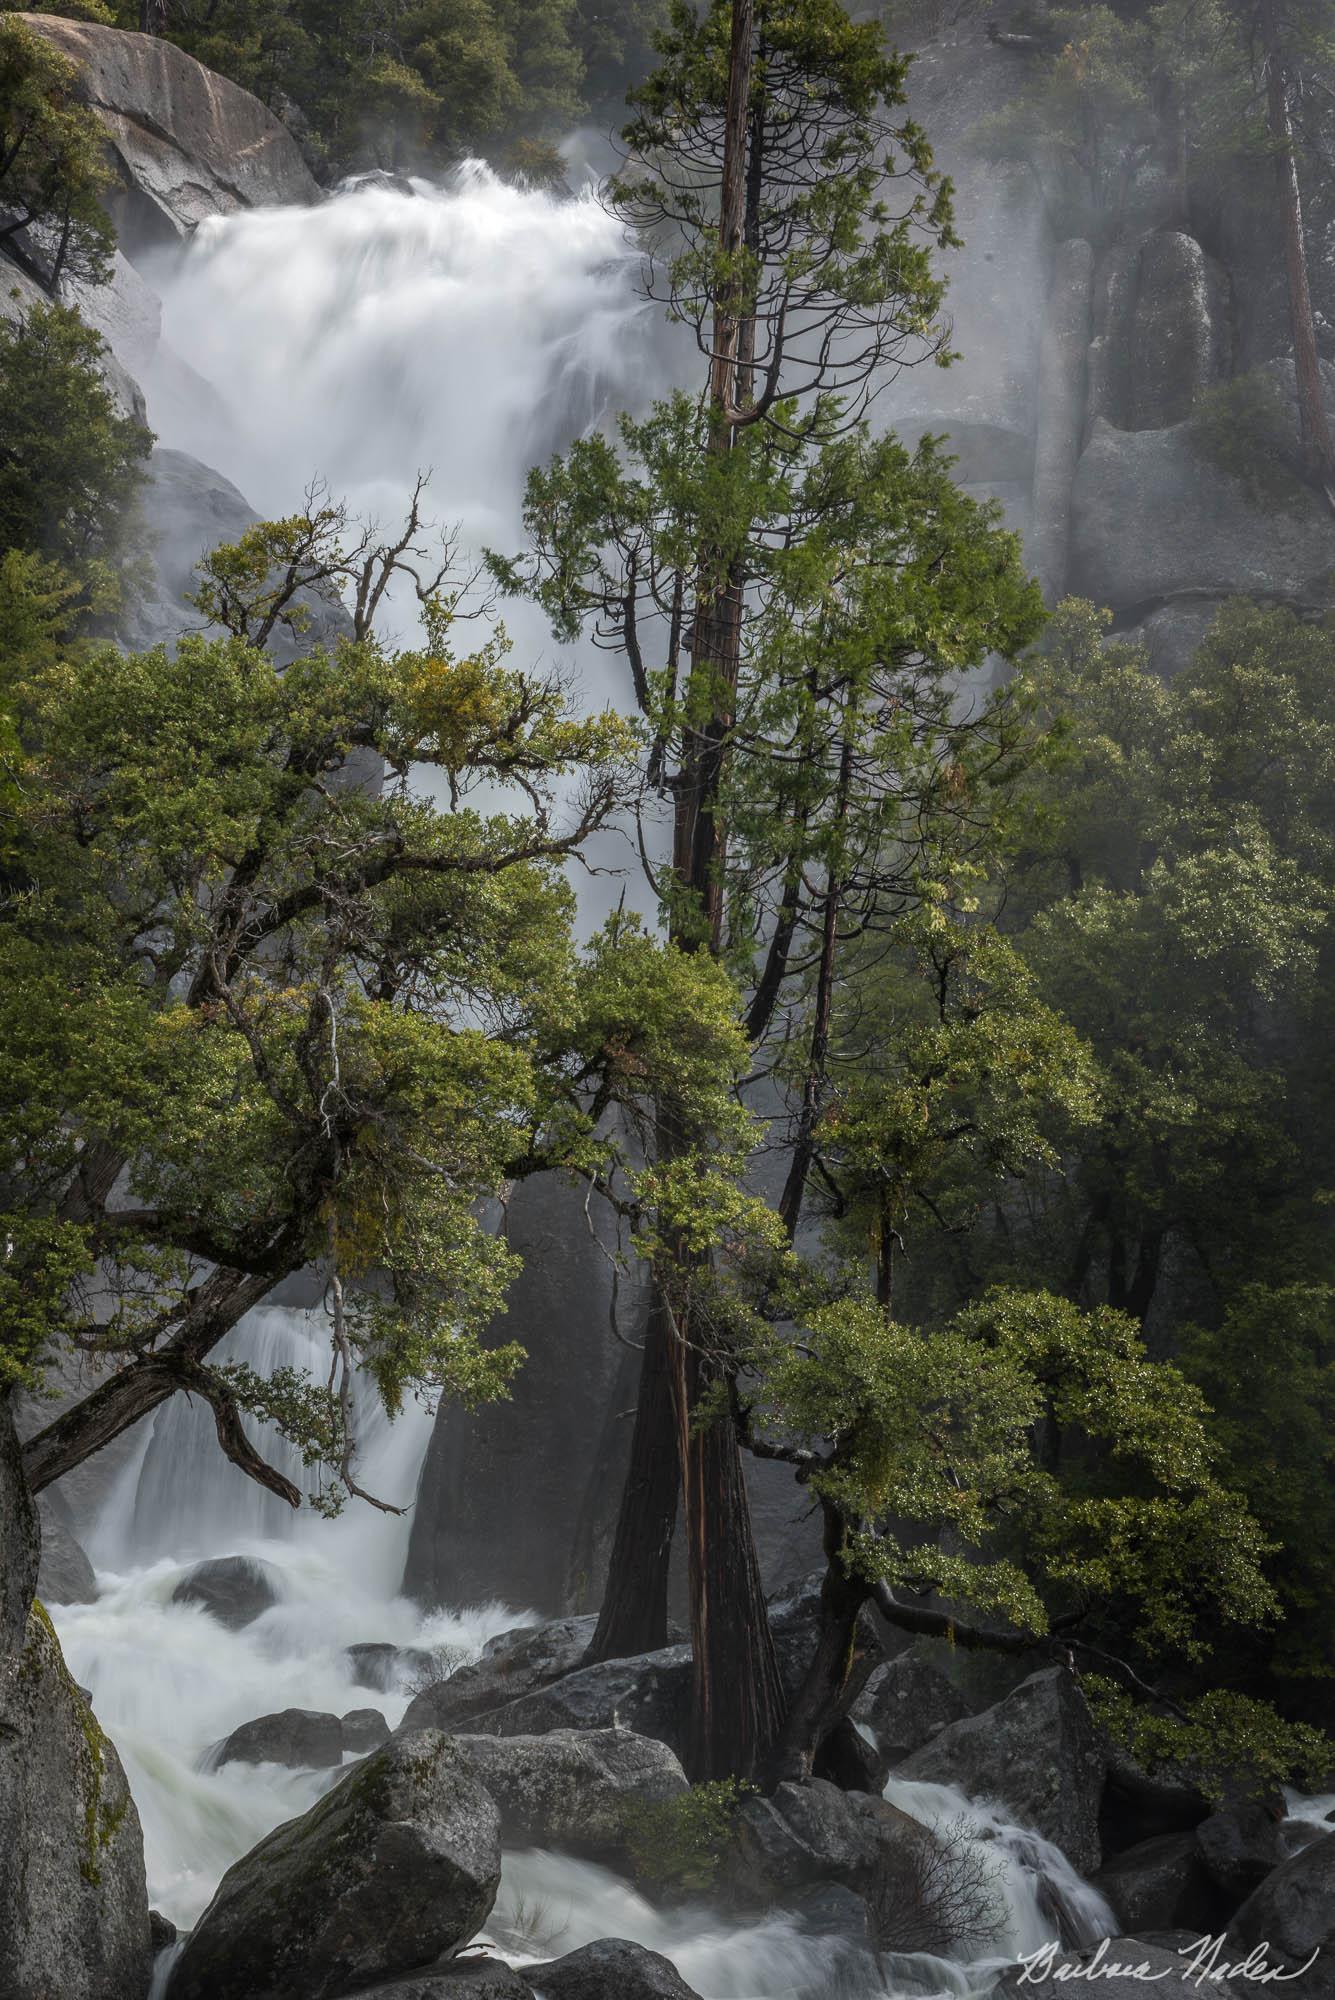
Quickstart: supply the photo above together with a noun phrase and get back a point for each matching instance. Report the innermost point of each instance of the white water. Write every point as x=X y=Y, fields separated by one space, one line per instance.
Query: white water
x=469 y=330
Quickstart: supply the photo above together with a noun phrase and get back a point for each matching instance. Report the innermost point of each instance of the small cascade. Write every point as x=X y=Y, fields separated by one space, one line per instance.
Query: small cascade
x=1040 y=1896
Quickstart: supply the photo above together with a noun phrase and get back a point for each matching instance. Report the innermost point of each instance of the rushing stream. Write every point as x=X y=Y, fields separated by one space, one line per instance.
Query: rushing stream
x=471 y=330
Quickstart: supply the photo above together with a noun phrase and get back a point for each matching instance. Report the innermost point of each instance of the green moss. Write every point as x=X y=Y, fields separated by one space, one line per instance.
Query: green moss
x=102 y=1817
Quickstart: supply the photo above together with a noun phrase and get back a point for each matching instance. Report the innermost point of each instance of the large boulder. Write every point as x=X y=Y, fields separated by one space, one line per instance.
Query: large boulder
x=1240 y=1845
x=233 y=1589
x=302 y=1738
x=571 y=1789
x=920 y=1893
x=73 y=1906
x=1179 y=334
x=513 y=1664
x=1036 y=1754
x=187 y=143
x=611 y=1969
x=1162 y=1884
x=907 y=1702
x=648 y=1693
x=1293 y=1915
x=1154 y=518
x=468 y=1979
x=394 y=1869
x=64 y=1575
x=364 y=1730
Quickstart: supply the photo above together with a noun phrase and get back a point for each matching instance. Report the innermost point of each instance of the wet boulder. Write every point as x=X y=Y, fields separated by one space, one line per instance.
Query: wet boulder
x=390 y=1872
x=301 y=1738
x=1035 y=1754
x=73 y=1906
x=1293 y=1915
x=364 y=1730
x=572 y=1789
x=1162 y=1884
x=611 y=1969
x=233 y=1589
x=648 y=1693
x=513 y=1664
x=1240 y=1845
x=906 y=1703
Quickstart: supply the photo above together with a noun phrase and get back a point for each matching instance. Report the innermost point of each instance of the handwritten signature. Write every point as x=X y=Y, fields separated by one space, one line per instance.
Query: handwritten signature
x=1205 y=1961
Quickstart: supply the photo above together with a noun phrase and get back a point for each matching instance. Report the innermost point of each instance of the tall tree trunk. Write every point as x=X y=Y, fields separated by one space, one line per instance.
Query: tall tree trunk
x=1318 y=444
x=832 y=1679
x=634 y=1615
x=804 y=1148
x=737 y=1704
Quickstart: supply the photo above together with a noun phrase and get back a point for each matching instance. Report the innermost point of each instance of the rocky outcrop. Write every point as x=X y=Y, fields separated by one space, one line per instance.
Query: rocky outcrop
x=394 y=1869
x=572 y=1789
x=1154 y=519
x=1063 y=366
x=302 y=1738
x=1036 y=1755
x=233 y=1589
x=187 y=143
x=1293 y=1915
x=73 y=1905
x=612 y=1969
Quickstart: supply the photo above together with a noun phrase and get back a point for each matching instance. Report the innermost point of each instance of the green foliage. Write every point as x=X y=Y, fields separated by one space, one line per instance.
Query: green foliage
x=676 y=1846
x=949 y=1431
x=1229 y=1744
x=70 y=464
x=302 y=1019
x=53 y=169
x=1246 y=427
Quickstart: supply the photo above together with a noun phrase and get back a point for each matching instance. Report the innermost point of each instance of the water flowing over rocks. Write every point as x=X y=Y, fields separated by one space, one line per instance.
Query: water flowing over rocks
x=187 y=143
x=571 y=1789
x=1037 y=1754
x=612 y=1969
x=395 y=1868
x=1293 y=1915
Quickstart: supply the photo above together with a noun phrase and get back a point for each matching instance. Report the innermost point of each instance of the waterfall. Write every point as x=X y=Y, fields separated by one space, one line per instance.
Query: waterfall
x=470 y=329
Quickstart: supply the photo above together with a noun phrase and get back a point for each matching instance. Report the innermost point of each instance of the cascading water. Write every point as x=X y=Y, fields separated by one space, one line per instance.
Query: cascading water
x=469 y=329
